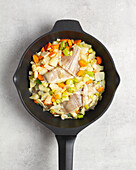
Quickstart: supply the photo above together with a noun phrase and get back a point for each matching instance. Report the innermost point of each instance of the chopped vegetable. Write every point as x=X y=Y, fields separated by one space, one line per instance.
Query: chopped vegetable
x=90 y=73
x=89 y=81
x=53 y=54
x=47 y=46
x=62 y=45
x=80 y=116
x=40 y=57
x=69 y=43
x=66 y=52
x=38 y=81
x=82 y=63
x=80 y=73
x=100 y=89
x=69 y=82
x=35 y=101
x=55 y=46
x=65 y=40
x=62 y=85
x=43 y=49
x=40 y=77
x=36 y=59
x=77 y=42
x=99 y=60
x=86 y=106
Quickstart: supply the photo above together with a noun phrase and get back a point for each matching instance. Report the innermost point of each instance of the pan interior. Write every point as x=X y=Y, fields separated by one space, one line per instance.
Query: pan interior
x=22 y=81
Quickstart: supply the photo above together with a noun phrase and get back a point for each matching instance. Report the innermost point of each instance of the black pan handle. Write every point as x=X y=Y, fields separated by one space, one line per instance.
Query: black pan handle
x=65 y=144
x=67 y=25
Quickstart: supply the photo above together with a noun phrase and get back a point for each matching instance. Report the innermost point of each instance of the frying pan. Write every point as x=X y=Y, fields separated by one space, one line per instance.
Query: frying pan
x=66 y=130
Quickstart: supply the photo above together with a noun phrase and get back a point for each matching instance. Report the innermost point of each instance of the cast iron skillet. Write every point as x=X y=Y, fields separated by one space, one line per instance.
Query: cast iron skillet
x=66 y=130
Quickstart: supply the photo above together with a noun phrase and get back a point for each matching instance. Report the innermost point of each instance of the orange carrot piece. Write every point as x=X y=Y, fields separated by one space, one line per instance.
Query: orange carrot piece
x=40 y=57
x=42 y=66
x=35 y=101
x=62 y=85
x=67 y=47
x=80 y=73
x=36 y=59
x=52 y=54
x=89 y=81
x=66 y=40
x=100 y=89
x=56 y=96
x=77 y=42
x=62 y=55
x=40 y=77
x=94 y=71
x=47 y=46
x=53 y=99
x=55 y=46
x=82 y=63
x=87 y=53
x=99 y=60
x=69 y=43
x=43 y=49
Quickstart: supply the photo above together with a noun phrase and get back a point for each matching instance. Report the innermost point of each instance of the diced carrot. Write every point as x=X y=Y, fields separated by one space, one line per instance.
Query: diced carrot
x=43 y=49
x=69 y=43
x=40 y=57
x=80 y=73
x=35 y=101
x=56 y=96
x=47 y=46
x=100 y=89
x=55 y=46
x=87 y=53
x=52 y=54
x=42 y=66
x=94 y=71
x=53 y=99
x=77 y=111
x=89 y=81
x=62 y=55
x=77 y=42
x=36 y=59
x=40 y=77
x=82 y=63
x=99 y=60
x=67 y=47
x=62 y=85
x=66 y=40
x=51 y=50
x=55 y=113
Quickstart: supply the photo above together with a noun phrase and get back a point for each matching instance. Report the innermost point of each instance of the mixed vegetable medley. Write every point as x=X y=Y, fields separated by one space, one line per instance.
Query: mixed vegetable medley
x=67 y=78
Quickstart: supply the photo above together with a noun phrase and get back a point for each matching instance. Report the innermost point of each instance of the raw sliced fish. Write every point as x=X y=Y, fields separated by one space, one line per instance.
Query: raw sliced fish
x=70 y=63
x=57 y=75
x=74 y=103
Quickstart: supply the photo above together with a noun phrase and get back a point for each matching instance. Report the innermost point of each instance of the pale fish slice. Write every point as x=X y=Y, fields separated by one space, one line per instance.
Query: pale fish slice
x=57 y=75
x=74 y=103
x=70 y=63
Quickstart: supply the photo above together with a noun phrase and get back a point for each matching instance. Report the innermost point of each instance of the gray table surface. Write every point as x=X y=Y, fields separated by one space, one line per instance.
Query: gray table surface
x=109 y=143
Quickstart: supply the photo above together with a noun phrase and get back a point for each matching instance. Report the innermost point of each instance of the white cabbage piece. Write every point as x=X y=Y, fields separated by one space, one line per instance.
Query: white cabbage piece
x=46 y=60
x=84 y=57
x=99 y=76
x=74 y=114
x=35 y=74
x=43 y=71
x=32 y=84
x=79 y=85
x=34 y=96
x=91 y=56
x=44 y=54
x=44 y=95
x=48 y=100
x=54 y=86
x=43 y=88
x=84 y=50
x=54 y=61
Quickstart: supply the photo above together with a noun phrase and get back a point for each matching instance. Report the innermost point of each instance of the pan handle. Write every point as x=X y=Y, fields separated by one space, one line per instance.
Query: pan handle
x=65 y=144
x=67 y=25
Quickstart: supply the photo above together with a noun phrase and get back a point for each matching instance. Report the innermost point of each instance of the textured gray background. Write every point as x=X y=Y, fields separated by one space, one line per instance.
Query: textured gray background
x=108 y=144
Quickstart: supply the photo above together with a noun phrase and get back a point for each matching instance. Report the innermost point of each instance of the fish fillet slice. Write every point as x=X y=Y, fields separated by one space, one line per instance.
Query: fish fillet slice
x=74 y=103
x=70 y=63
x=57 y=75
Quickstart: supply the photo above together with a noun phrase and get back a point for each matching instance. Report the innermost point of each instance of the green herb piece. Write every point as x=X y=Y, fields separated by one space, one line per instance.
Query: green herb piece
x=38 y=81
